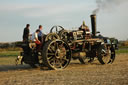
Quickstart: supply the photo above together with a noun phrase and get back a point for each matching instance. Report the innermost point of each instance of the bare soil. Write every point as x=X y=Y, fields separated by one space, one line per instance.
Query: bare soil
x=75 y=74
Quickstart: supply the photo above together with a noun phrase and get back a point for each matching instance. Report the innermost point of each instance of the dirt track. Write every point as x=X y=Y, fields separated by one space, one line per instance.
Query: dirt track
x=74 y=74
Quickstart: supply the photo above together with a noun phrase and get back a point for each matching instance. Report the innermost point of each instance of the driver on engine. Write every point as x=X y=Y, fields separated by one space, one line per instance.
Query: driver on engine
x=86 y=30
x=36 y=40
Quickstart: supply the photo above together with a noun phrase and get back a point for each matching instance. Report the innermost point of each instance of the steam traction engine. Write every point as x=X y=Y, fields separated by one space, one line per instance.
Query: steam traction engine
x=60 y=46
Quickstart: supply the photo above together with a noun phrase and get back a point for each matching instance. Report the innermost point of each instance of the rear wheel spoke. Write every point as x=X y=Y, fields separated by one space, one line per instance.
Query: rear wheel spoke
x=52 y=54
x=65 y=59
x=50 y=57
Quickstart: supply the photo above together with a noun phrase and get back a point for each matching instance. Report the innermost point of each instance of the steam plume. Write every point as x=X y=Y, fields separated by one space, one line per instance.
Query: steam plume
x=106 y=4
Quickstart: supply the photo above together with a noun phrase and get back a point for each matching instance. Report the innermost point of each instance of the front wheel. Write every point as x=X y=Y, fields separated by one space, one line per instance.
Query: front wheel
x=113 y=55
x=105 y=54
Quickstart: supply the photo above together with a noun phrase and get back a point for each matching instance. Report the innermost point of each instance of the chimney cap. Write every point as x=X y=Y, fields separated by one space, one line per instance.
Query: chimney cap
x=93 y=15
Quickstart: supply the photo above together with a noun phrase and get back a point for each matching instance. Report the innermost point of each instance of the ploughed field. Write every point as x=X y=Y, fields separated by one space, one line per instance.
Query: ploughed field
x=75 y=74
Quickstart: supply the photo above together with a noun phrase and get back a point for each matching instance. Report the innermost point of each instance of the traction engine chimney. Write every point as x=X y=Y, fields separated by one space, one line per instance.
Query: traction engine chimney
x=93 y=22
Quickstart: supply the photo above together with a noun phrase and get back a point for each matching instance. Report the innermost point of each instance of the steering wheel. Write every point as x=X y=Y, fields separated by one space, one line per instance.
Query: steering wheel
x=56 y=29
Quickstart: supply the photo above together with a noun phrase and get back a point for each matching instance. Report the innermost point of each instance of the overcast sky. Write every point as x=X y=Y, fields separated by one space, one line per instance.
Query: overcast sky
x=15 y=14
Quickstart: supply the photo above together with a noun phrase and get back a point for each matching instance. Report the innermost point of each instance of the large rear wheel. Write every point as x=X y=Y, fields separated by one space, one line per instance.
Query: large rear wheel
x=56 y=54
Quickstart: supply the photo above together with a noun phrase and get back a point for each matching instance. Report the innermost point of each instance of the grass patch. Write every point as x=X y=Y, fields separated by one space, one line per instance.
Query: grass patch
x=9 y=53
x=11 y=49
x=8 y=57
x=122 y=50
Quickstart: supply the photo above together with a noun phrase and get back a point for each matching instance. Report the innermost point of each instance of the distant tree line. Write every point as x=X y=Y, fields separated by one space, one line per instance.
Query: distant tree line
x=123 y=43
x=10 y=44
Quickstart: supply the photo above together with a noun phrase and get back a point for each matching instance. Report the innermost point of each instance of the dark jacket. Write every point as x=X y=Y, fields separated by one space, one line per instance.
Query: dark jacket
x=25 y=34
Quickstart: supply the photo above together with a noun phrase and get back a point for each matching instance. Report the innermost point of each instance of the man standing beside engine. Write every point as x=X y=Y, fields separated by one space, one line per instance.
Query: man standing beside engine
x=26 y=33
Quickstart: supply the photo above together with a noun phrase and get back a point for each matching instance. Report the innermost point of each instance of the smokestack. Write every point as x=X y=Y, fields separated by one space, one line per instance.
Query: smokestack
x=93 y=22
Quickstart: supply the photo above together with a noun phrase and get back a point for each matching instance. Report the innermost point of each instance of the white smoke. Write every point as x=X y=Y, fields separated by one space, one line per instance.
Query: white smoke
x=107 y=4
